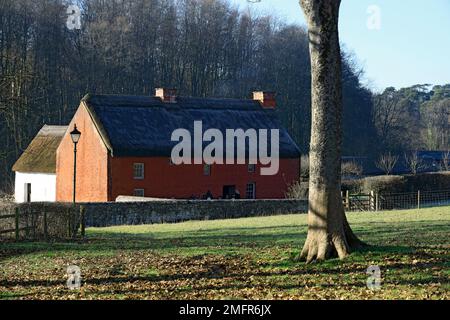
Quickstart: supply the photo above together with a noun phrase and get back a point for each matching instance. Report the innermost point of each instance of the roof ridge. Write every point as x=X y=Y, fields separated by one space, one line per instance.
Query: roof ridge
x=182 y=102
x=52 y=130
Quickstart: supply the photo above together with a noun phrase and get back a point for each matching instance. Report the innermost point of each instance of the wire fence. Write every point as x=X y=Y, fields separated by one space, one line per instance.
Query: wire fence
x=395 y=201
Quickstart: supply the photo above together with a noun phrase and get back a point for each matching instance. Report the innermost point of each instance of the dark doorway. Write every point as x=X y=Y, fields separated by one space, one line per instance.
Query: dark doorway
x=229 y=192
x=27 y=192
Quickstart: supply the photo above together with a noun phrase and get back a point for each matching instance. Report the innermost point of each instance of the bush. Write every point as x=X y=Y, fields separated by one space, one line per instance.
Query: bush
x=407 y=183
x=384 y=184
x=353 y=186
x=304 y=166
x=351 y=168
x=298 y=190
x=429 y=181
x=6 y=198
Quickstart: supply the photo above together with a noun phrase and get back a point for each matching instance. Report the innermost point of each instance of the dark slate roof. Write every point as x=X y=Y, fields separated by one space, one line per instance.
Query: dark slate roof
x=40 y=155
x=143 y=125
x=432 y=155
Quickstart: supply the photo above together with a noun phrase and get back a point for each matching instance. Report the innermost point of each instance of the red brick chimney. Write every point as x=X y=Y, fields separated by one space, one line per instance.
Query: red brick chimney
x=168 y=95
x=265 y=98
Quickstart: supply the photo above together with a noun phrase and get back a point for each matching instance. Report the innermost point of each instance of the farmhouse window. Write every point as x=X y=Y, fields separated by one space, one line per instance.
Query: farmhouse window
x=139 y=193
x=250 y=191
x=138 y=171
x=251 y=168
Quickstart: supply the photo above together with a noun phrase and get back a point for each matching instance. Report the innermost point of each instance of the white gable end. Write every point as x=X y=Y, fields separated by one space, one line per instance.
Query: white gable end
x=37 y=187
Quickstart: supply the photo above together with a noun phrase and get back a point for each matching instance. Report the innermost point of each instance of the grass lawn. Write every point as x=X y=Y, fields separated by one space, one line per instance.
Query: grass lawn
x=243 y=258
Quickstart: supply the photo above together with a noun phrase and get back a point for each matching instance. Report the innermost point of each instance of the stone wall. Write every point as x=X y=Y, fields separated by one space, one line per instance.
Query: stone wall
x=132 y=213
x=59 y=215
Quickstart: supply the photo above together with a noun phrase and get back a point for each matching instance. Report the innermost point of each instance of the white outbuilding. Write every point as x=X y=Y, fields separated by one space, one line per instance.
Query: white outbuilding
x=36 y=168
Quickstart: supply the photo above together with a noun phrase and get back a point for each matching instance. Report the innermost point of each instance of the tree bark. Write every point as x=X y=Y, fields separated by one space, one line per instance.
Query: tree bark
x=329 y=233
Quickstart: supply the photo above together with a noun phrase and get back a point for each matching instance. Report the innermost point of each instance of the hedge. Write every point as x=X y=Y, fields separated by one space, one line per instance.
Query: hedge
x=399 y=184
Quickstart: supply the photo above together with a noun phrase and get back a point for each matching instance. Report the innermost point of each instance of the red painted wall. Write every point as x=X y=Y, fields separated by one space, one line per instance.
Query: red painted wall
x=92 y=163
x=163 y=180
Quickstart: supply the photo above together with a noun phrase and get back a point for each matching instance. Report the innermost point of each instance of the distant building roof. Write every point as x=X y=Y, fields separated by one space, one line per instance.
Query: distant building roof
x=40 y=156
x=432 y=155
x=143 y=125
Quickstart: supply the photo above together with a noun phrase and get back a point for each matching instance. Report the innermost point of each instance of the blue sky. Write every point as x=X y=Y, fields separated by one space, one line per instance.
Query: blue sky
x=412 y=45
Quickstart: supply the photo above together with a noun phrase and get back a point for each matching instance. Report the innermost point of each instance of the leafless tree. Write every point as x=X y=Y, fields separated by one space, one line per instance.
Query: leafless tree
x=445 y=162
x=414 y=162
x=386 y=163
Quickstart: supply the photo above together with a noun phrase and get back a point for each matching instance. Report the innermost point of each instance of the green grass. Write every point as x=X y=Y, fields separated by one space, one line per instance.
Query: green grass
x=242 y=258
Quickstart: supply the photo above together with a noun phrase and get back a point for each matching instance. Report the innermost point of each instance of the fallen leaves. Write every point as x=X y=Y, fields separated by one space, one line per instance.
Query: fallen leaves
x=125 y=275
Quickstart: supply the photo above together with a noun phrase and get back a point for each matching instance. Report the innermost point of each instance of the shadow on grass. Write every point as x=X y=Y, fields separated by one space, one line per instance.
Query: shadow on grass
x=240 y=278
x=99 y=242
x=222 y=240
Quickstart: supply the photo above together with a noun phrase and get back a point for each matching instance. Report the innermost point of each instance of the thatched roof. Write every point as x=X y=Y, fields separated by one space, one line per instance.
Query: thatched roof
x=40 y=156
x=142 y=126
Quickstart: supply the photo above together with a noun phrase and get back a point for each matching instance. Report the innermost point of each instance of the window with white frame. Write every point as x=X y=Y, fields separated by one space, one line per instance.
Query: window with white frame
x=138 y=171
x=139 y=193
x=250 y=192
x=251 y=168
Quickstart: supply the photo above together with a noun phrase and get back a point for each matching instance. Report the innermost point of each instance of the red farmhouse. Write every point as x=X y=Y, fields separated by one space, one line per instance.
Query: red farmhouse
x=125 y=149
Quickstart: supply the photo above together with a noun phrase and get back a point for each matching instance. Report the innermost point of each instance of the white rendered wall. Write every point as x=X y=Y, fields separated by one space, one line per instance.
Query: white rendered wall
x=43 y=187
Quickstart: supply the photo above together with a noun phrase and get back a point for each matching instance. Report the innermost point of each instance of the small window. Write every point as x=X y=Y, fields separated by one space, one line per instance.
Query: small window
x=139 y=193
x=251 y=168
x=250 y=191
x=138 y=171
x=207 y=170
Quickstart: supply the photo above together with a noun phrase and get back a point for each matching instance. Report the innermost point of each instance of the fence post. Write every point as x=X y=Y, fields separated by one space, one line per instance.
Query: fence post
x=45 y=225
x=17 y=230
x=372 y=201
x=418 y=199
x=82 y=221
x=377 y=206
x=347 y=199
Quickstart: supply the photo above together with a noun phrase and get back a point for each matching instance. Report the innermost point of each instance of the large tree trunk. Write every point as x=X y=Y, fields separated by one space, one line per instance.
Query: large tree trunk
x=329 y=233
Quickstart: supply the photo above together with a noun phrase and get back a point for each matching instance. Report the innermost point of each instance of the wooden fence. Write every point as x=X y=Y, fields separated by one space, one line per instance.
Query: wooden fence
x=359 y=202
x=41 y=222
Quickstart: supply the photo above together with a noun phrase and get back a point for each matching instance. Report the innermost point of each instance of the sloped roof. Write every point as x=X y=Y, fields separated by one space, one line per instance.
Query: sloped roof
x=432 y=155
x=143 y=125
x=40 y=155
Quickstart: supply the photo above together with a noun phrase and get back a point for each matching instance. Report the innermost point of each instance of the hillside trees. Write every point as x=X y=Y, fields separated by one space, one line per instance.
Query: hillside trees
x=413 y=118
x=203 y=48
